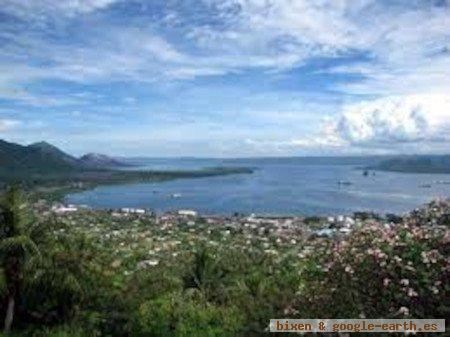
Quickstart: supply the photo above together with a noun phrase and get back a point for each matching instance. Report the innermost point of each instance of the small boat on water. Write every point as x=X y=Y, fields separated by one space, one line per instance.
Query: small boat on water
x=345 y=183
x=175 y=195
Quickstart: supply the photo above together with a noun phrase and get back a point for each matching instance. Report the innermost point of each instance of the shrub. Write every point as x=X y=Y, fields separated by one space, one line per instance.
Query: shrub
x=177 y=315
x=401 y=271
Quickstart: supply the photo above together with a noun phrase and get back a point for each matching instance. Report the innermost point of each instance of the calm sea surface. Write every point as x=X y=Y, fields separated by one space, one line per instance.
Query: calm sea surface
x=276 y=187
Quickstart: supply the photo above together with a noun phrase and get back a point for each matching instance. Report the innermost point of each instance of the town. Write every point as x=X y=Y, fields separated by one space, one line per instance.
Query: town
x=131 y=232
x=133 y=272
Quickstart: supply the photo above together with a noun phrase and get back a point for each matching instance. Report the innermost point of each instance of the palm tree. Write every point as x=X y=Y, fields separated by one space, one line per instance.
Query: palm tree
x=207 y=275
x=55 y=279
x=16 y=246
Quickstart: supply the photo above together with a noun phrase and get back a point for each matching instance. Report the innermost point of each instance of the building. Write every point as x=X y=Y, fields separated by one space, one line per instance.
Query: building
x=187 y=212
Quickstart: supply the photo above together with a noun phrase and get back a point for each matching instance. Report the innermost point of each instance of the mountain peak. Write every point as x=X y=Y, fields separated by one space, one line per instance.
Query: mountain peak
x=37 y=157
x=42 y=145
x=45 y=157
x=95 y=155
x=100 y=160
x=51 y=150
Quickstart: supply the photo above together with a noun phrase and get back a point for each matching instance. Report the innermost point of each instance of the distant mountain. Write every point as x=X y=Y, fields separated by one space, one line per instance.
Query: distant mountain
x=50 y=151
x=36 y=157
x=46 y=165
x=416 y=164
x=46 y=158
x=97 y=160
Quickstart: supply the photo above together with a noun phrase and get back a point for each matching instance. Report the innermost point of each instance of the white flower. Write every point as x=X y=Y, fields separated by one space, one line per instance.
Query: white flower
x=404 y=311
x=412 y=293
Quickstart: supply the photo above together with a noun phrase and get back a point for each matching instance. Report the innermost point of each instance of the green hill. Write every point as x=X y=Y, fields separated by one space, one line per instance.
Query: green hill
x=416 y=164
x=42 y=163
x=43 y=157
x=39 y=157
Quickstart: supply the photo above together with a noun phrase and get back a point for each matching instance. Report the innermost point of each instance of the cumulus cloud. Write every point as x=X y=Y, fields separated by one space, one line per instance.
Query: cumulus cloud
x=418 y=120
x=422 y=118
x=403 y=63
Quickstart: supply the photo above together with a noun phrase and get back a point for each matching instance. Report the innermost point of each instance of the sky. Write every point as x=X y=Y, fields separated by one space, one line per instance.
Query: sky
x=226 y=78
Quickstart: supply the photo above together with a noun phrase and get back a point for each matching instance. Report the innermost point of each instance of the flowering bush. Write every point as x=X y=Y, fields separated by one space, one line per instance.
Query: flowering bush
x=379 y=271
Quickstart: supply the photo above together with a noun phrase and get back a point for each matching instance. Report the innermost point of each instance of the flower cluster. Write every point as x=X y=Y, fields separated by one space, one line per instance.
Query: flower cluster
x=381 y=270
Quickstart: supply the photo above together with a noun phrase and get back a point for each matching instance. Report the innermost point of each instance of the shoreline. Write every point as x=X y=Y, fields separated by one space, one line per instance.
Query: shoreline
x=311 y=218
x=56 y=188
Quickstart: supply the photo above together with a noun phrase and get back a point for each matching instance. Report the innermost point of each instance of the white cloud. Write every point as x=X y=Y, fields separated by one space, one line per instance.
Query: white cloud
x=264 y=34
x=407 y=44
x=387 y=123
x=422 y=118
x=401 y=48
x=37 y=9
x=8 y=124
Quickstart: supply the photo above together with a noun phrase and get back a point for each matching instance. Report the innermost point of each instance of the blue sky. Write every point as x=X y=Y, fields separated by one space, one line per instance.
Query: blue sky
x=226 y=77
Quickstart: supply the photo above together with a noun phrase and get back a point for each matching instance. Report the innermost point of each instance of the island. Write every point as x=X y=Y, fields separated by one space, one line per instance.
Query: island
x=414 y=164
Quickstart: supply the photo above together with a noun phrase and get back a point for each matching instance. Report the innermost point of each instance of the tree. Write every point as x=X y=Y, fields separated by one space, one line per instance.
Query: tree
x=16 y=246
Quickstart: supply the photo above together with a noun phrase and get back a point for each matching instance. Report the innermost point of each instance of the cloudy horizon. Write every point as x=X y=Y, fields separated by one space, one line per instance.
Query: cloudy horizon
x=226 y=78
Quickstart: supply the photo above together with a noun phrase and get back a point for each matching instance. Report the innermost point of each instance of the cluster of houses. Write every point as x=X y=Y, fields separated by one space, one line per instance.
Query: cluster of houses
x=131 y=232
x=283 y=225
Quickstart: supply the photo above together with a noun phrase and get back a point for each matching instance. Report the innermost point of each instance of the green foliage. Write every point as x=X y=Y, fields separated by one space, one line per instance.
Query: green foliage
x=180 y=315
x=17 y=248
x=416 y=164
x=124 y=276
x=2 y=284
x=378 y=272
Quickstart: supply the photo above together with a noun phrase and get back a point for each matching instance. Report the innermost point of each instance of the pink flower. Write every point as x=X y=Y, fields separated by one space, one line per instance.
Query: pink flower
x=446 y=237
x=435 y=290
x=328 y=266
x=404 y=311
x=404 y=282
x=412 y=293
x=430 y=257
x=410 y=268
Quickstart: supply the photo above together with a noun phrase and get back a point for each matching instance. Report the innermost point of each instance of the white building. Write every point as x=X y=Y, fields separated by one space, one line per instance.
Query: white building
x=133 y=210
x=187 y=212
x=64 y=209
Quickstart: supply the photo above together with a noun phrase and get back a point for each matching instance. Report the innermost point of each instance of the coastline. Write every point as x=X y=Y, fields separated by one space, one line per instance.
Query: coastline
x=57 y=187
x=50 y=205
